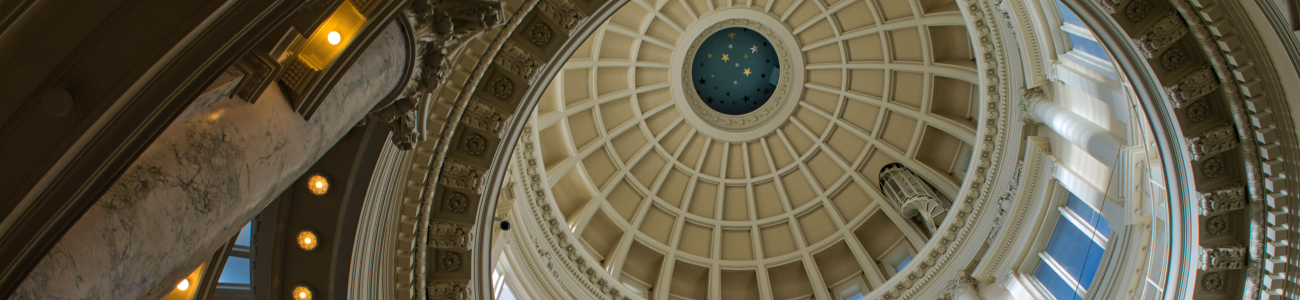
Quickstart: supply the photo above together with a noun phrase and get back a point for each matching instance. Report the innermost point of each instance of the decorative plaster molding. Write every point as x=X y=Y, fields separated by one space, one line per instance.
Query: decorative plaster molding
x=1028 y=98
x=441 y=29
x=1227 y=198
x=962 y=220
x=1229 y=257
x=1217 y=139
x=1196 y=84
x=1163 y=33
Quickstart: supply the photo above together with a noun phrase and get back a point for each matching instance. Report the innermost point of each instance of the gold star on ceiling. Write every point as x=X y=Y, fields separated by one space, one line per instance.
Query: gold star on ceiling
x=725 y=58
x=710 y=55
x=746 y=56
x=746 y=72
x=731 y=34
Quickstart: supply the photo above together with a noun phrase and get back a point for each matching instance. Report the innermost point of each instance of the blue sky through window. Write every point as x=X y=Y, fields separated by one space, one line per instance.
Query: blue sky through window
x=1074 y=249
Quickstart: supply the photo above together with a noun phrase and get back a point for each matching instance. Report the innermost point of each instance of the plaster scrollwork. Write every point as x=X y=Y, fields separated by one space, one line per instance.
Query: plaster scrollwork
x=1217 y=139
x=1225 y=257
x=1028 y=98
x=439 y=29
x=485 y=117
x=447 y=291
x=1224 y=199
x=1004 y=204
x=518 y=61
x=961 y=284
x=1112 y=6
x=461 y=175
x=1196 y=84
x=1169 y=28
x=563 y=13
x=448 y=236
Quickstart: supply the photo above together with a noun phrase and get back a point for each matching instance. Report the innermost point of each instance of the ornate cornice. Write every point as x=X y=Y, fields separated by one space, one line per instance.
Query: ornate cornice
x=985 y=177
x=564 y=248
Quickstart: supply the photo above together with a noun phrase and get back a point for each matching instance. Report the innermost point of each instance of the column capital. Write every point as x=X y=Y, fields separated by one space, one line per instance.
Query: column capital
x=1030 y=97
x=964 y=287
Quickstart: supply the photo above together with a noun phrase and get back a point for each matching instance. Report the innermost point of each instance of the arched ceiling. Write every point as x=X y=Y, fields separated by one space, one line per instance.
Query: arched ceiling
x=795 y=210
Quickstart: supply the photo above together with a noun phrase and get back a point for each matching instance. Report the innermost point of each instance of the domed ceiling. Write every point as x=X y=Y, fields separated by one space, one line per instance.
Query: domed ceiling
x=670 y=197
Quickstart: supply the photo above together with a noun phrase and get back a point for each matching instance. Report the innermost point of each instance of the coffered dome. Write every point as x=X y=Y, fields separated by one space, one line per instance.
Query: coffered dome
x=662 y=188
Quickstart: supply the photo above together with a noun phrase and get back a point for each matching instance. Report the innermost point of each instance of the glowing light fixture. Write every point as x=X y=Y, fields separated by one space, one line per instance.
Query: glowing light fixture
x=334 y=37
x=184 y=285
x=301 y=292
x=318 y=184
x=307 y=240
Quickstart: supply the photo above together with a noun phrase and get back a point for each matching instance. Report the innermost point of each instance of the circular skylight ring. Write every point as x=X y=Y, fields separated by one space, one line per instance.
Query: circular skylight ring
x=735 y=70
x=758 y=123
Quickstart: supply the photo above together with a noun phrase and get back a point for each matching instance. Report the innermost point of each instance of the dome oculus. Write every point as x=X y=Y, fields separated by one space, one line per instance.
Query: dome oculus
x=735 y=70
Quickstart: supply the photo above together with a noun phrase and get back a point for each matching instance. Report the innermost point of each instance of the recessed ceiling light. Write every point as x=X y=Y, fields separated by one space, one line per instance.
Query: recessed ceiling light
x=318 y=184
x=301 y=292
x=307 y=240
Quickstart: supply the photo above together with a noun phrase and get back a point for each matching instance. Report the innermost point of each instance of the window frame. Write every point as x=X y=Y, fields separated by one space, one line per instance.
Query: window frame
x=846 y=288
x=1060 y=32
x=1036 y=254
x=902 y=245
x=245 y=252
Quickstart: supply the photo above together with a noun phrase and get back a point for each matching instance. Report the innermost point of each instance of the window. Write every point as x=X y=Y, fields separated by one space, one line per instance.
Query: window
x=639 y=288
x=501 y=287
x=1082 y=47
x=238 y=271
x=852 y=293
x=897 y=257
x=1069 y=263
x=851 y=288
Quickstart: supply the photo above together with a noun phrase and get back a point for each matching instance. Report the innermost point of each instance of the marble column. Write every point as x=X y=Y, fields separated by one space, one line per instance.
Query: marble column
x=201 y=181
x=1081 y=132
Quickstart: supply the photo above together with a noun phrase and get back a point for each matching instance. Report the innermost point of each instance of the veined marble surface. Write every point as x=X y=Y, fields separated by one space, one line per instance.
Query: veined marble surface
x=201 y=181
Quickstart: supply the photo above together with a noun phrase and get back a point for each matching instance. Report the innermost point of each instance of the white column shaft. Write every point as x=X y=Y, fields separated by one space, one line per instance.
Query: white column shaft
x=1099 y=143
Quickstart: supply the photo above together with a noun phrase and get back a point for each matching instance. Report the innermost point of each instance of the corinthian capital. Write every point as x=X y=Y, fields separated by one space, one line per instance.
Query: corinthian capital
x=1030 y=97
